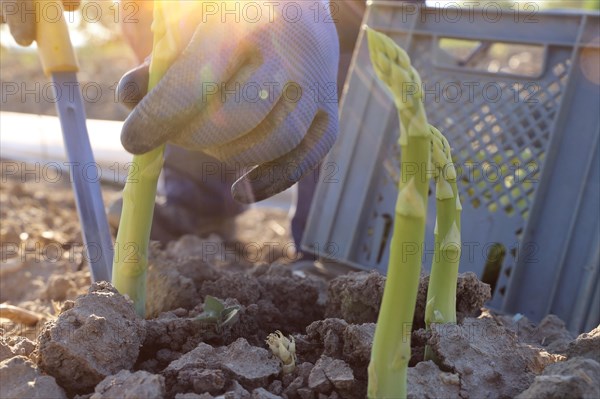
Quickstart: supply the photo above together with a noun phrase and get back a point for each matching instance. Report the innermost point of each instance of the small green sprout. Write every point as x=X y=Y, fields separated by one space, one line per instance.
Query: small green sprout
x=284 y=349
x=217 y=314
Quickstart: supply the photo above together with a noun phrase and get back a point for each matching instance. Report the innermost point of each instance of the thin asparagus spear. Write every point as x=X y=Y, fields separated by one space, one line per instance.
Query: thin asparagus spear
x=441 y=293
x=131 y=247
x=391 y=345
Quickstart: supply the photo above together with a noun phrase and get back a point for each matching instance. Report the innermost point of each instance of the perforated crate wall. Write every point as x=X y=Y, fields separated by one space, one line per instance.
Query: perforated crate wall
x=524 y=127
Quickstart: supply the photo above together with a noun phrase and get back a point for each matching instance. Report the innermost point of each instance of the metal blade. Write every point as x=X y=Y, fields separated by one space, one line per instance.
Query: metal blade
x=86 y=185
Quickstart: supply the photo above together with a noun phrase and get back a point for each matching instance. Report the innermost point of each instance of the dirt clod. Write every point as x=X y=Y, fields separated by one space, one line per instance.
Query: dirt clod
x=15 y=346
x=552 y=334
x=179 y=334
x=292 y=388
x=276 y=387
x=427 y=381
x=329 y=332
x=261 y=393
x=170 y=289
x=340 y=375
x=180 y=373
x=127 y=385
x=236 y=391
x=191 y=395
x=5 y=350
x=576 y=378
x=21 y=379
x=485 y=355
x=538 y=359
x=356 y=297
x=250 y=365
x=358 y=340
x=238 y=285
x=295 y=297
x=586 y=345
x=303 y=370
x=471 y=294
x=317 y=380
x=99 y=336
x=330 y=373
x=210 y=381
x=277 y=299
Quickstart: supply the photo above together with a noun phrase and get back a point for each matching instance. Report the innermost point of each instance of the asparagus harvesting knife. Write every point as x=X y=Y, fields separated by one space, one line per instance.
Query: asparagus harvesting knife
x=60 y=64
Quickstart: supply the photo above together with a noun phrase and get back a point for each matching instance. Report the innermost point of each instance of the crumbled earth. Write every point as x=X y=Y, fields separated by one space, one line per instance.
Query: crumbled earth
x=94 y=337
x=6 y=351
x=356 y=297
x=576 y=378
x=552 y=334
x=586 y=345
x=207 y=369
x=128 y=385
x=426 y=380
x=14 y=346
x=484 y=354
x=22 y=379
x=329 y=373
x=89 y=343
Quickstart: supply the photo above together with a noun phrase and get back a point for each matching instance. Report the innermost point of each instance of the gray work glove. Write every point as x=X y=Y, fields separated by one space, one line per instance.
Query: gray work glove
x=20 y=16
x=249 y=94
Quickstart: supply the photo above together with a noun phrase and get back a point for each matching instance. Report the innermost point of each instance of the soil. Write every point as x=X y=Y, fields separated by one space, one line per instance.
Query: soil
x=87 y=342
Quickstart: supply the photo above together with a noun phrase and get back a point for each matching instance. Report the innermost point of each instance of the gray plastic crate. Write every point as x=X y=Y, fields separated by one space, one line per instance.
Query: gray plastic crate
x=524 y=127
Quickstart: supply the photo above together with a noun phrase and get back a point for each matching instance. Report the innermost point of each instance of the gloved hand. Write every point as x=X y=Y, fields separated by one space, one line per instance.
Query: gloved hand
x=20 y=16
x=248 y=93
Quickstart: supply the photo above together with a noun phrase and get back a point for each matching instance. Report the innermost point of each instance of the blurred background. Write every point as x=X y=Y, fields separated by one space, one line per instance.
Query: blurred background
x=104 y=57
x=102 y=53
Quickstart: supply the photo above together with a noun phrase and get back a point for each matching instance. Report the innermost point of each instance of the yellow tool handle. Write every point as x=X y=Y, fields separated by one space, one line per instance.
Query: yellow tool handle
x=52 y=37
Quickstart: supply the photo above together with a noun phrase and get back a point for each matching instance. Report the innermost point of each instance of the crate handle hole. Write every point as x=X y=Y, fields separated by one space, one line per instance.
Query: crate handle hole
x=493 y=265
x=387 y=230
x=490 y=57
